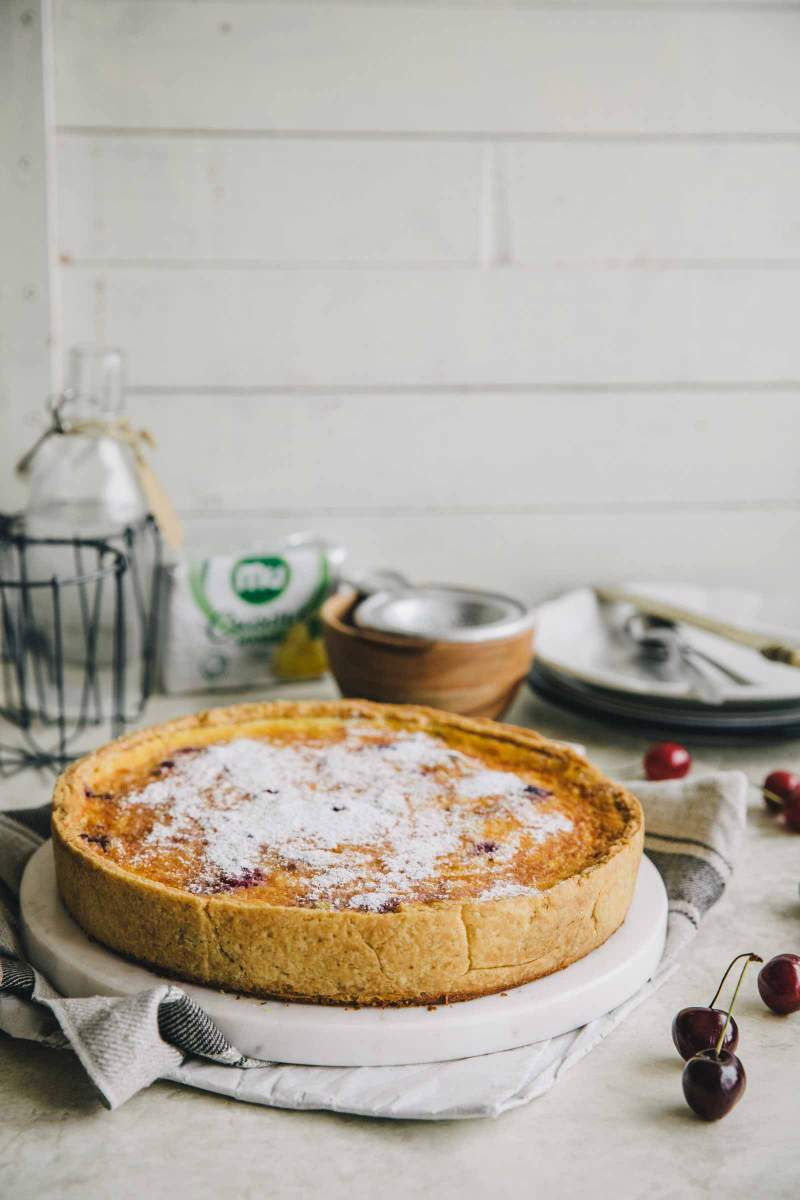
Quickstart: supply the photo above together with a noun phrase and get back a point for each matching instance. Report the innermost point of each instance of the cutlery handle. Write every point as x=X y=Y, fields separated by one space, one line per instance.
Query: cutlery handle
x=779 y=652
x=782 y=652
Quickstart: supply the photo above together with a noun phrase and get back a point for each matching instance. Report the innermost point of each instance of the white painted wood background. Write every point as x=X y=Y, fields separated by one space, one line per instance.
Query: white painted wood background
x=506 y=293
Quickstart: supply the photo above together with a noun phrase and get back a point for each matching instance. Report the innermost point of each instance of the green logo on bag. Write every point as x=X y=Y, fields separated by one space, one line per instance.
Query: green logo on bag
x=259 y=580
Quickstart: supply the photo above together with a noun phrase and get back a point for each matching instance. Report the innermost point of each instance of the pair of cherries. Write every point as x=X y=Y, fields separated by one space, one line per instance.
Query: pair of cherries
x=714 y=1078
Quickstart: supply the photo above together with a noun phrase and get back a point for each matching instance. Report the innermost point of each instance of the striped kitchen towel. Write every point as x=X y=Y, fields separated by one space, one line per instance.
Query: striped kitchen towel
x=694 y=827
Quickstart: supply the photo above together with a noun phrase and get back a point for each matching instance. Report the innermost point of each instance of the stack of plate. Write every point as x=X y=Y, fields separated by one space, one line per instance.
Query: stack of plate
x=586 y=660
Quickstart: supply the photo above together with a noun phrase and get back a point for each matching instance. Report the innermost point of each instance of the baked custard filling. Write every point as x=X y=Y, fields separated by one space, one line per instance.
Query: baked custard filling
x=350 y=817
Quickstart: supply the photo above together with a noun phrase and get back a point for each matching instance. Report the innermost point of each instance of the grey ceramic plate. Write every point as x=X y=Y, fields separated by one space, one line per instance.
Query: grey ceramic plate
x=725 y=719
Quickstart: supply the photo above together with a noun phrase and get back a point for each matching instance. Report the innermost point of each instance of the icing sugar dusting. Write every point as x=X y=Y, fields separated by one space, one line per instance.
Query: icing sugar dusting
x=363 y=821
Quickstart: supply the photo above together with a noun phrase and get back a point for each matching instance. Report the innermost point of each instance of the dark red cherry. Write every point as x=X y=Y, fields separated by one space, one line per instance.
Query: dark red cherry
x=791 y=810
x=699 y=1028
x=696 y=1029
x=667 y=760
x=776 y=789
x=779 y=984
x=713 y=1082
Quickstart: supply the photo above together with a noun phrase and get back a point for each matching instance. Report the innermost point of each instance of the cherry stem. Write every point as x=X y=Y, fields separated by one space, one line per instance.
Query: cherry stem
x=728 y=969
x=749 y=958
x=768 y=795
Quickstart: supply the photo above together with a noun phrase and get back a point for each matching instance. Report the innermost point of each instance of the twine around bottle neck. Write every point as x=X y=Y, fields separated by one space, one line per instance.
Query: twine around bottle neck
x=119 y=430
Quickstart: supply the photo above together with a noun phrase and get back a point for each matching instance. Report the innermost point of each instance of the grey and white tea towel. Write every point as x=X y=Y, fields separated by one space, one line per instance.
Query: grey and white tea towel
x=693 y=831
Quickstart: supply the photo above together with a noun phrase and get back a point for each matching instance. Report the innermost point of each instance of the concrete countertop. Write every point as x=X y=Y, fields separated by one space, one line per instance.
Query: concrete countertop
x=615 y=1126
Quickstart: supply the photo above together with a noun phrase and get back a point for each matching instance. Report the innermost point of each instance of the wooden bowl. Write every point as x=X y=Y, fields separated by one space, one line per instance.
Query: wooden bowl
x=476 y=679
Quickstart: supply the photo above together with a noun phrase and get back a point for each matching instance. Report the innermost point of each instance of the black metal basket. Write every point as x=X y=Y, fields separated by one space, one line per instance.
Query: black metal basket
x=78 y=633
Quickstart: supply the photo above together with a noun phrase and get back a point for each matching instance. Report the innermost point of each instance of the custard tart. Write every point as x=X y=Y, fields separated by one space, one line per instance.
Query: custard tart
x=345 y=852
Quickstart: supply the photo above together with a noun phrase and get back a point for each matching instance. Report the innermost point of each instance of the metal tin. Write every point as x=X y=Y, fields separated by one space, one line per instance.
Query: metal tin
x=444 y=613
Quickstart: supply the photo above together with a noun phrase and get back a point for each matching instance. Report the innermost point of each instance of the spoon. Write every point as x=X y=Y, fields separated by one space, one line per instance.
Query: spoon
x=659 y=643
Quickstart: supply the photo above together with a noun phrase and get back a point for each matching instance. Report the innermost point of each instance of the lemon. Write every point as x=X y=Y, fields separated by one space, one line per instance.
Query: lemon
x=300 y=656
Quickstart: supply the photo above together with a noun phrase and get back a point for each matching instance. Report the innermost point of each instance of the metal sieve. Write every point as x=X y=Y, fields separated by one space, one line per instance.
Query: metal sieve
x=451 y=614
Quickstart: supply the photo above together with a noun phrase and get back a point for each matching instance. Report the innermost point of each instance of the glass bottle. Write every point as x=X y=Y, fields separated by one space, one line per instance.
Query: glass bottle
x=84 y=483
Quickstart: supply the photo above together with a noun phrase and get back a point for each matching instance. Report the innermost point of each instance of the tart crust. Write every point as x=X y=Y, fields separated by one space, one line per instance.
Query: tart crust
x=423 y=952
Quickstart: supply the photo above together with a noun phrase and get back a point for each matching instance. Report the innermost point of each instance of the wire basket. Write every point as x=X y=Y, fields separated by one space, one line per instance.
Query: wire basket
x=78 y=635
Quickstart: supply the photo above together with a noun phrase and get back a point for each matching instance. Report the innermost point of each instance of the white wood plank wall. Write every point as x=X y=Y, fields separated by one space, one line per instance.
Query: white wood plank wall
x=498 y=292
x=29 y=316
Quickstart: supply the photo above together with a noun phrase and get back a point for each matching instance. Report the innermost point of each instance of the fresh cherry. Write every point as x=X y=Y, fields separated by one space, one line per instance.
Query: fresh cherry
x=667 y=760
x=777 y=787
x=714 y=1079
x=698 y=1028
x=779 y=984
x=791 y=809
